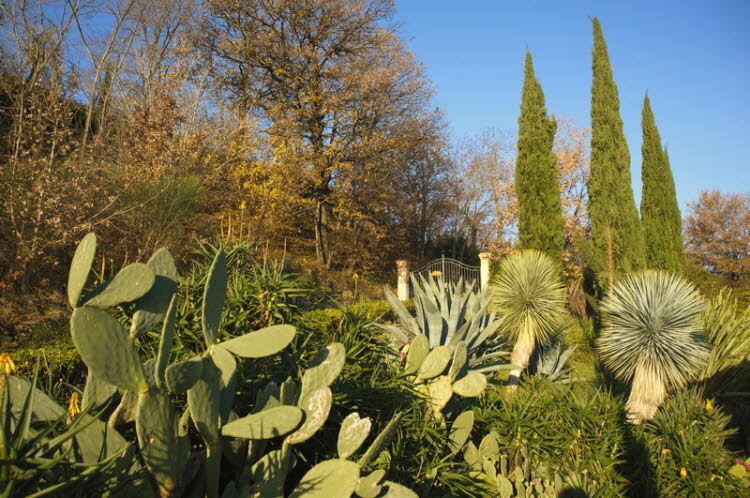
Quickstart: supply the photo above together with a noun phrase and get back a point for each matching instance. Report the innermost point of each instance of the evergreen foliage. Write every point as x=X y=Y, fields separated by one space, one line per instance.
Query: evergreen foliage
x=540 y=221
x=660 y=214
x=615 y=225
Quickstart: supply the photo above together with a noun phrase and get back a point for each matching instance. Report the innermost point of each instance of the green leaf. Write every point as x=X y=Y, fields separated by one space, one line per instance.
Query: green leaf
x=261 y=343
x=80 y=268
x=323 y=369
x=106 y=350
x=435 y=363
x=418 y=351
x=150 y=308
x=183 y=375
x=266 y=424
x=213 y=298
x=471 y=385
x=381 y=441
x=316 y=406
x=129 y=284
x=353 y=432
x=329 y=479
x=460 y=431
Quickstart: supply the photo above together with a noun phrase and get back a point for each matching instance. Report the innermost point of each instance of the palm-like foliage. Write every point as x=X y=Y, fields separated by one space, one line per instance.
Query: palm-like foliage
x=528 y=294
x=728 y=331
x=653 y=336
x=448 y=314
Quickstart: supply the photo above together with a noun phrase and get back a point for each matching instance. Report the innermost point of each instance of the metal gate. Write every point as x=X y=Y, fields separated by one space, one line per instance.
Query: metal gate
x=450 y=270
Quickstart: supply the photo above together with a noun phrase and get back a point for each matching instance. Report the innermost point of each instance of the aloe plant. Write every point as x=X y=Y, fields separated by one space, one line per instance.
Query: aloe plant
x=528 y=294
x=451 y=343
x=652 y=337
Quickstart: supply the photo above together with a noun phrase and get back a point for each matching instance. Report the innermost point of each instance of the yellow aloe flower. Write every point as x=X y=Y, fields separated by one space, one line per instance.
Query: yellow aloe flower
x=436 y=273
x=683 y=473
x=709 y=405
x=665 y=451
x=7 y=367
x=73 y=408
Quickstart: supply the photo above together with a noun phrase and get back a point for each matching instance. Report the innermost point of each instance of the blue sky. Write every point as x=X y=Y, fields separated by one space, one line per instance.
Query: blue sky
x=693 y=58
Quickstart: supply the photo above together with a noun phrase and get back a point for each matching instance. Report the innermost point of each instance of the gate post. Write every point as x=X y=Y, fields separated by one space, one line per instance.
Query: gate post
x=484 y=269
x=403 y=280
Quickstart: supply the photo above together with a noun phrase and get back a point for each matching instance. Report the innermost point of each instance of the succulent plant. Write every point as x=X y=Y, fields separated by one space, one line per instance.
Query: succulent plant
x=292 y=411
x=550 y=359
x=452 y=341
x=528 y=294
x=652 y=337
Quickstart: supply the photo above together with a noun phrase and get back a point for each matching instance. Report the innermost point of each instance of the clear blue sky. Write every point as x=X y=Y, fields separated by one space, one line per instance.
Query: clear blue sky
x=693 y=58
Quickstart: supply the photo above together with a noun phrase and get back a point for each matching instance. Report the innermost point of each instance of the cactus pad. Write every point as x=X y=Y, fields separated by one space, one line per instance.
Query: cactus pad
x=460 y=357
x=204 y=402
x=368 y=487
x=435 y=363
x=316 y=406
x=460 y=431
x=329 y=479
x=96 y=392
x=396 y=490
x=151 y=307
x=323 y=369
x=418 y=351
x=183 y=375
x=80 y=268
x=165 y=342
x=473 y=384
x=228 y=366
x=262 y=343
x=266 y=424
x=129 y=284
x=156 y=427
x=440 y=393
x=106 y=350
x=353 y=432
x=213 y=297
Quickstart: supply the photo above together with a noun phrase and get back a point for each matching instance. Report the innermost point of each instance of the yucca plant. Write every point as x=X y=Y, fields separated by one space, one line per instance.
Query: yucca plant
x=653 y=336
x=727 y=329
x=529 y=296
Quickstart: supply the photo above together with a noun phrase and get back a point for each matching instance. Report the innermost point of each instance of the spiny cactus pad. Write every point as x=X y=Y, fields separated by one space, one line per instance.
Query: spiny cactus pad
x=323 y=369
x=151 y=307
x=183 y=375
x=203 y=401
x=329 y=479
x=418 y=351
x=165 y=342
x=381 y=441
x=440 y=392
x=225 y=361
x=460 y=357
x=129 y=284
x=396 y=490
x=266 y=424
x=473 y=384
x=96 y=392
x=106 y=350
x=213 y=297
x=80 y=268
x=353 y=432
x=261 y=343
x=368 y=486
x=460 y=431
x=316 y=406
x=156 y=427
x=435 y=363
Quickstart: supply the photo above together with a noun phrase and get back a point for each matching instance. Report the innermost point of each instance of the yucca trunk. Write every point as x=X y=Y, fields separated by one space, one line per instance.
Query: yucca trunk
x=647 y=393
x=520 y=357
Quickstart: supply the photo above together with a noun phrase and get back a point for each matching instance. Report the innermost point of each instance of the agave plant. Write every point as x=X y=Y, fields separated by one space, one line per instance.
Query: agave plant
x=448 y=314
x=528 y=294
x=550 y=360
x=653 y=336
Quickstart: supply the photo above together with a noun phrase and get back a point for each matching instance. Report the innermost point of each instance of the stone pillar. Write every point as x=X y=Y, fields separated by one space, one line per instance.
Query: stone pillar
x=403 y=280
x=484 y=269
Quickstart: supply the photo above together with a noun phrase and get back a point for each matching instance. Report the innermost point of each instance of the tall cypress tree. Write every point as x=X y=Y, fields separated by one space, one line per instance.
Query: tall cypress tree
x=540 y=220
x=660 y=213
x=615 y=225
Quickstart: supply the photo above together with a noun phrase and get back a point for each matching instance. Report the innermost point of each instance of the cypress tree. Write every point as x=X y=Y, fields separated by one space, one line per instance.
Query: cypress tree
x=660 y=214
x=615 y=225
x=540 y=220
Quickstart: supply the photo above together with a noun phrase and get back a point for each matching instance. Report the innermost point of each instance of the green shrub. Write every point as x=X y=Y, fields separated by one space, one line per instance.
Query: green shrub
x=686 y=448
x=572 y=429
x=60 y=365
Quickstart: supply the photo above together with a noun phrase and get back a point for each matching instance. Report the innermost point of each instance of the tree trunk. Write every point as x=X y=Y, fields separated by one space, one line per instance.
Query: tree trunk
x=322 y=243
x=647 y=393
x=520 y=357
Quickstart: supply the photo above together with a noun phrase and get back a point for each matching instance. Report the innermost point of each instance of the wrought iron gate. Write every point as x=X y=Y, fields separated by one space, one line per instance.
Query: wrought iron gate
x=450 y=270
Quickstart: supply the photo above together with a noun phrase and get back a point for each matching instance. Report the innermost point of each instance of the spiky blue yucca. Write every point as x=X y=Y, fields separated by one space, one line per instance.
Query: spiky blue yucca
x=653 y=336
x=529 y=297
